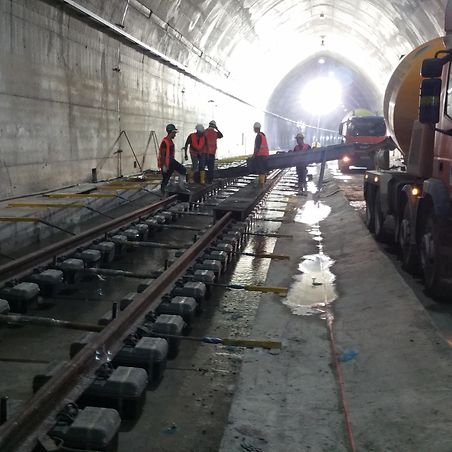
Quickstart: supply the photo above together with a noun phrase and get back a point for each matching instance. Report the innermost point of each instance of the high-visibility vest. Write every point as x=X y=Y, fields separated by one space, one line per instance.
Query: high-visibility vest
x=166 y=151
x=211 y=137
x=197 y=144
x=305 y=147
x=263 y=150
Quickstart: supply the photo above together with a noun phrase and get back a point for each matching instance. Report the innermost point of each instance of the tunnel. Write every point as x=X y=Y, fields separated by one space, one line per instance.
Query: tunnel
x=87 y=84
x=271 y=294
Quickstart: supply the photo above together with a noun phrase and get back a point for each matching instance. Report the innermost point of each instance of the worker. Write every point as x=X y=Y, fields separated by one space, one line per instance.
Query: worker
x=198 y=148
x=260 y=151
x=212 y=135
x=302 y=171
x=167 y=162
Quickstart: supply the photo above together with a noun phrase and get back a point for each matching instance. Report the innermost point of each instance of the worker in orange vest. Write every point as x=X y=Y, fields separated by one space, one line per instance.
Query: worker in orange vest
x=167 y=162
x=260 y=151
x=212 y=135
x=198 y=148
x=302 y=171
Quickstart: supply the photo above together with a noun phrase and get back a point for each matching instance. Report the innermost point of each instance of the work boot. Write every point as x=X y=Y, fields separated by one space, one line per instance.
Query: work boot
x=182 y=184
x=190 y=176
x=202 y=177
x=261 y=180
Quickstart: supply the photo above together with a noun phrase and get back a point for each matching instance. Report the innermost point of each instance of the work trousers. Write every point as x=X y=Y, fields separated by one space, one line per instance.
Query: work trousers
x=260 y=162
x=174 y=165
x=210 y=159
x=302 y=173
x=198 y=162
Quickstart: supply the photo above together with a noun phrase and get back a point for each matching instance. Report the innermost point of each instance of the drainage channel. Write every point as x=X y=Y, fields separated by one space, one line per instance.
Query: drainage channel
x=81 y=283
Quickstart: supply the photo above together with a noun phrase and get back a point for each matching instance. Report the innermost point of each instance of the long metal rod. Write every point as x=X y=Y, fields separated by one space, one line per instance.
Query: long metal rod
x=19 y=266
x=19 y=319
x=21 y=432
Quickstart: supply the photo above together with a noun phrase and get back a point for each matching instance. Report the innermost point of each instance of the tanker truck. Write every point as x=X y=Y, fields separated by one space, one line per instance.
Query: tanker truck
x=411 y=206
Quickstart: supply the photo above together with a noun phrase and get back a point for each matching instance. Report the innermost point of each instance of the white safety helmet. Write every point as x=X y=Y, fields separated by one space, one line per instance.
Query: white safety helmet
x=257 y=125
x=199 y=128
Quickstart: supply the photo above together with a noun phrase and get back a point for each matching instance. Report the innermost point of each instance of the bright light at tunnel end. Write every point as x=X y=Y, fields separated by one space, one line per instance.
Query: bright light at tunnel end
x=321 y=95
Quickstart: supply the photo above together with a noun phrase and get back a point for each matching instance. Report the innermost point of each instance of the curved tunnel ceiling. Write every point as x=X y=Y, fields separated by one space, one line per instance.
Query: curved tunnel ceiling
x=287 y=100
x=259 y=41
x=369 y=34
x=357 y=90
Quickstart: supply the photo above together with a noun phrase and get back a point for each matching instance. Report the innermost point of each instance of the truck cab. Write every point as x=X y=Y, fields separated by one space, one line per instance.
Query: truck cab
x=361 y=129
x=442 y=158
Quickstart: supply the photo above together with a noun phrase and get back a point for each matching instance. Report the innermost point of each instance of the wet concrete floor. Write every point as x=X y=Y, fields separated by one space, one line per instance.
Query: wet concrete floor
x=396 y=366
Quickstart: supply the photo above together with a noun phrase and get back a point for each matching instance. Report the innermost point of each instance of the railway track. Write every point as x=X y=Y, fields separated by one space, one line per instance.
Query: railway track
x=148 y=248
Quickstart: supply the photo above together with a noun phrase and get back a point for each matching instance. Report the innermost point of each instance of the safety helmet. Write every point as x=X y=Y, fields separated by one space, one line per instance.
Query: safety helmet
x=199 y=128
x=299 y=135
x=212 y=123
x=257 y=125
x=171 y=128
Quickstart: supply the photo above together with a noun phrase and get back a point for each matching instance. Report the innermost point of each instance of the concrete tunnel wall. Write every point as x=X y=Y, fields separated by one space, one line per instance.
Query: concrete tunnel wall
x=67 y=88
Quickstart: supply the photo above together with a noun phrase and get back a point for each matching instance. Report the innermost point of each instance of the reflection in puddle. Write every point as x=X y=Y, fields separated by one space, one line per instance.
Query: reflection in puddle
x=313 y=290
x=312 y=213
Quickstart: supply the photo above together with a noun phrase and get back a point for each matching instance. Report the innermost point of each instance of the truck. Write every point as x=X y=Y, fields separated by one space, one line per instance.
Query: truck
x=361 y=129
x=411 y=206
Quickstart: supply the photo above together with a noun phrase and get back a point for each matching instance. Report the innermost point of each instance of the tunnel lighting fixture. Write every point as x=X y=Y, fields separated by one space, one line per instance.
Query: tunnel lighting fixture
x=321 y=95
x=321 y=61
x=376 y=179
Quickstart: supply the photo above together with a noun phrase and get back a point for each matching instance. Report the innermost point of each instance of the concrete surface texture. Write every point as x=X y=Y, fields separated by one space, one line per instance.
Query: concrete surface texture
x=397 y=367
x=68 y=88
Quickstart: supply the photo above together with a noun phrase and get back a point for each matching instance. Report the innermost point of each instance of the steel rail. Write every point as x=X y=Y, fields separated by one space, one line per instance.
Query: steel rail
x=21 y=265
x=22 y=431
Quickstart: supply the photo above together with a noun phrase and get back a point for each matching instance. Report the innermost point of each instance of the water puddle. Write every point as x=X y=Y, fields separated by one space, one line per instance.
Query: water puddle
x=313 y=290
x=312 y=213
x=359 y=206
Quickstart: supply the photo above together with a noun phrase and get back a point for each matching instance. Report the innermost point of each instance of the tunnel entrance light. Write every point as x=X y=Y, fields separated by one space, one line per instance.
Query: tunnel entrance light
x=321 y=95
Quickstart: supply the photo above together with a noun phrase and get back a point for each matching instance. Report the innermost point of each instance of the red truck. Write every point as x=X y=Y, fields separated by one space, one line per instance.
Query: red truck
x=361 y=129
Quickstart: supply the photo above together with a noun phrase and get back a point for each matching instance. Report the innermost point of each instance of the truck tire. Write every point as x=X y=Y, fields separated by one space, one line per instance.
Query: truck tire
x=370 y=212
x=409 y=252
x=379 y=232
x=430 y=258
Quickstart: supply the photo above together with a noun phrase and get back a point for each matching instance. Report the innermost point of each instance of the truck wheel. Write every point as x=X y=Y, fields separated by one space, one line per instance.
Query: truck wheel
x=430 y=258
x=380 y=235
x=409 y=253
x=370 y=213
